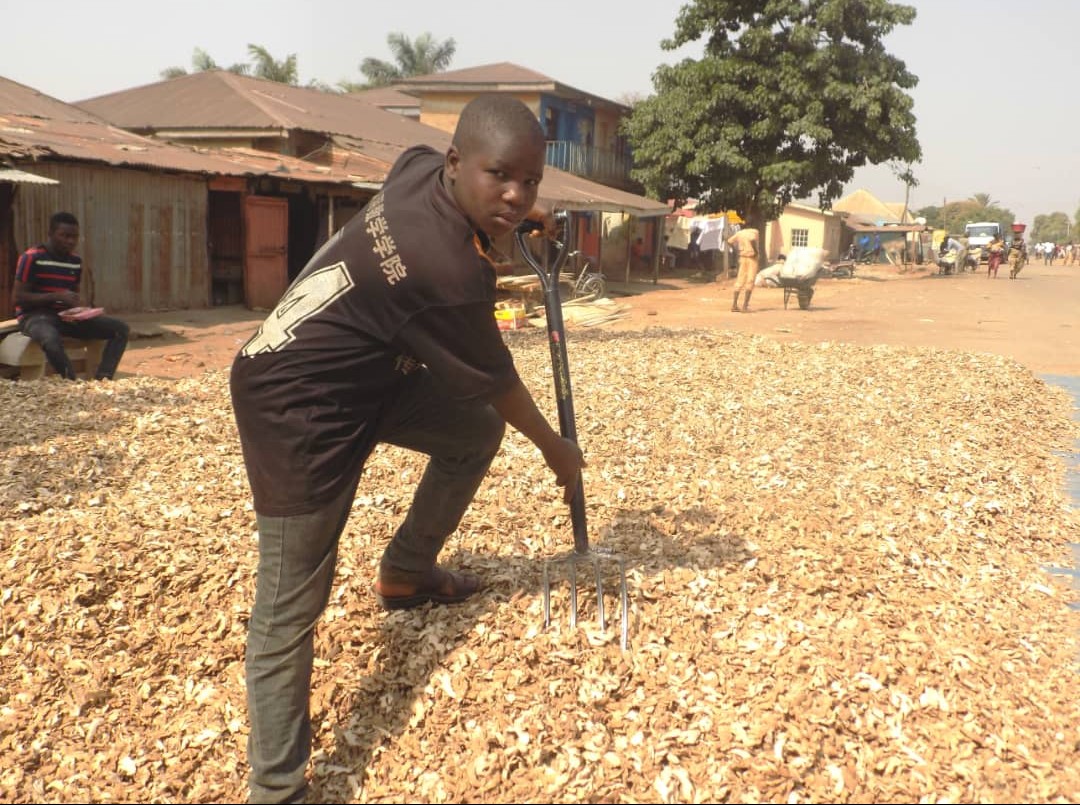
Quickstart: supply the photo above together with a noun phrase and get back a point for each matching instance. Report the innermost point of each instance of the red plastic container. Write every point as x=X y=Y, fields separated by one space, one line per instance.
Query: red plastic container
x=1019 y=227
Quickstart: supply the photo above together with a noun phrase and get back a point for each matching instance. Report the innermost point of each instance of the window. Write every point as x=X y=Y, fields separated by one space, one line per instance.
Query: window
x=800 y=237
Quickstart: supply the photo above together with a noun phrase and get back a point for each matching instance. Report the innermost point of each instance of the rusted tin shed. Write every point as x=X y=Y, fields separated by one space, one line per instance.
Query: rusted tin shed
x=141 y=204
x=162 y=225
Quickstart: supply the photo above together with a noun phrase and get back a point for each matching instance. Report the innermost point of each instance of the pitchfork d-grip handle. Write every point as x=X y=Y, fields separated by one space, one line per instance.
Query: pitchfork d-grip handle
x=564 y=396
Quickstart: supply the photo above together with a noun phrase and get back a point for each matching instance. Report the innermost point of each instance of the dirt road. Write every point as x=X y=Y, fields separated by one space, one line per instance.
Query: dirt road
x=1034 y=319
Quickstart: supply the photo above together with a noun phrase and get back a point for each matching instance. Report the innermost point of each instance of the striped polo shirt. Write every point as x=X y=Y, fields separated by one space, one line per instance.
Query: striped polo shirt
x=44 y=272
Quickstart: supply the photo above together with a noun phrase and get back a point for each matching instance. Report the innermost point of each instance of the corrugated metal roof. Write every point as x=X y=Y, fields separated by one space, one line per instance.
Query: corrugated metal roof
x=34 y=126
x=384 y=97
x=24 y=137
x=499 y=77
x=340 y=168
x=19 y=99
x=570 y=192
x=216 y=100
x=373 y=136
x=387 y=152
x=559 y=188
x=22 y=177
x=498 y=73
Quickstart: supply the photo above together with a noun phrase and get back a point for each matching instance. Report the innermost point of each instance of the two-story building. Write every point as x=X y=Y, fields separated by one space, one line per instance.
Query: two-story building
x=583 y=139
x=582 y=129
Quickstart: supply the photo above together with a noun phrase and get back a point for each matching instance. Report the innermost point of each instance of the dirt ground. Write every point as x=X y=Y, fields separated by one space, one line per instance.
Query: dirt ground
x=1032 y=319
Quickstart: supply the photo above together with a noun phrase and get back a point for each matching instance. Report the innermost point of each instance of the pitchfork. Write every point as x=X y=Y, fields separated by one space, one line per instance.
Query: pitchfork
x=582 y=553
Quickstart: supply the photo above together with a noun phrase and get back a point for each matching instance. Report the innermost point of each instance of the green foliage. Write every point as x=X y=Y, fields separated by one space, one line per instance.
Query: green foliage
x=1054 y=227
x=932 y=215
x=266 y=66
x=789 y=98
x=201 y=61
x=420 y=57
x=980 y=207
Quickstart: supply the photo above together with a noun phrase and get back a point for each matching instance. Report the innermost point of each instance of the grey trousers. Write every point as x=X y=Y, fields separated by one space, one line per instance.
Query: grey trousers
x=298 y=554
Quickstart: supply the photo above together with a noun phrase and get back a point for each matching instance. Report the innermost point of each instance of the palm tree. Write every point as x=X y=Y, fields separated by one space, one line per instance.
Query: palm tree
x=202 y=61
x=266 y=66
x=421 y=57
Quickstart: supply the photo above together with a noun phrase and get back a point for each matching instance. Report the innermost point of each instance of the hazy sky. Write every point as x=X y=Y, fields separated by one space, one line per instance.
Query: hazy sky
x=992 y=103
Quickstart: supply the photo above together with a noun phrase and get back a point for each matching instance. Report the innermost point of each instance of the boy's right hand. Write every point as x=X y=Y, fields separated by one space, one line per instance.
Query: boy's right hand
x=565 y=459
x=543 y=213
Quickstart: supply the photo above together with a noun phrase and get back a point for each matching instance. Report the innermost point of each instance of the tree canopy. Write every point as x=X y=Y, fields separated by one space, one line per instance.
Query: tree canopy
x=1054 y=227
x=955 y=215
x=788 y=99
x=420 y=57
x=263 y=65
x=266 y=66
x=201 y=61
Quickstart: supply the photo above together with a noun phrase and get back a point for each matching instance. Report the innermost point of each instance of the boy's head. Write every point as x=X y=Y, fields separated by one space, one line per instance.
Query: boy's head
x=63 y=233
x=495 y=163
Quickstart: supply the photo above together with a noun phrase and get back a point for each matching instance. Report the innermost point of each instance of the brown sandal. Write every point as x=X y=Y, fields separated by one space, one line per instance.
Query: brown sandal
x=437 y=586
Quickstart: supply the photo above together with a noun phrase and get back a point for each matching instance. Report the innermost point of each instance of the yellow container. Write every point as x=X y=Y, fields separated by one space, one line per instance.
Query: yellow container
x=510 y=318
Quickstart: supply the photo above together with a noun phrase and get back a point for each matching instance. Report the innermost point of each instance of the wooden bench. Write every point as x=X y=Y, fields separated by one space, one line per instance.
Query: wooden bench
x=24 y=357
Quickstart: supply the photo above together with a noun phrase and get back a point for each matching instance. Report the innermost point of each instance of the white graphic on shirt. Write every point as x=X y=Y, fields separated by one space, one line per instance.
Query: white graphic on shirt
x=302 y=301
x=382 y=242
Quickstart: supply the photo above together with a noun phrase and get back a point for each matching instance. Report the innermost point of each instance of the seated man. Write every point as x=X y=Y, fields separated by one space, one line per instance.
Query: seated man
x=47 y=282
x=642 y=258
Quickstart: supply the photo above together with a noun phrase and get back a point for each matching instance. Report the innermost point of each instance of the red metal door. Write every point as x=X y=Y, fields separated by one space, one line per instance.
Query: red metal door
x=266 y=251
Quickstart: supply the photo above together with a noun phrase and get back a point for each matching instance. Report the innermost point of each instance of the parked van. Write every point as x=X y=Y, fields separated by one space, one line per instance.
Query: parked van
x=981 y=233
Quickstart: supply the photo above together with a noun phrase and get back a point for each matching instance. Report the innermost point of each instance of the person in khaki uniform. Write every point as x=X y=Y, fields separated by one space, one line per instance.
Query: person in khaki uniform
x=745 y=240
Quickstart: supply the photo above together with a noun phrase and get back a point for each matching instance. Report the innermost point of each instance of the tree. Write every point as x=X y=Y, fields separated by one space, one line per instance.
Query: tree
x=266 y=66
x=425 y=55
x=931 y=214
x=955 y=215
x=1054 y=227
x=201 y=61
x=789 y=98
x=906 y=174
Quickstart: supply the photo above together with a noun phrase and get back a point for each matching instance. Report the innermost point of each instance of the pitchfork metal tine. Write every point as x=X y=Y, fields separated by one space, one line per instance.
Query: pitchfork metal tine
x=599 y=594
x=547 y=596
x=549 y=281
x=573 y=593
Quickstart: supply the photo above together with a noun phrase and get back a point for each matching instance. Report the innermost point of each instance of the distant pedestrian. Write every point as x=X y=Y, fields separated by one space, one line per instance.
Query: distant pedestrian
x=996 y=252
x=1017 y=255
x=746 y=241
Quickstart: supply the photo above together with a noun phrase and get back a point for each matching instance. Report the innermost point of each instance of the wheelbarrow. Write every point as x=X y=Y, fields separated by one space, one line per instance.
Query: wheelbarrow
x=799 y=274
x=582 y=554
x=801 y=287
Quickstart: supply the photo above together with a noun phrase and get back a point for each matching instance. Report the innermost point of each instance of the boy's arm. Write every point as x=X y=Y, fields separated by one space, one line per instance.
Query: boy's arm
x=563 y=456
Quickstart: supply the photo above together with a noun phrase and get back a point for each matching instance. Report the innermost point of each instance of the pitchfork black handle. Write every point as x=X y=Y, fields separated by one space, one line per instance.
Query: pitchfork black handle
x=564 y=396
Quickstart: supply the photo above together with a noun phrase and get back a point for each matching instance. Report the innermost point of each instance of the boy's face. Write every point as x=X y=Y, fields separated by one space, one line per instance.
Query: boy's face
x=63 y=239
x=495 y=184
